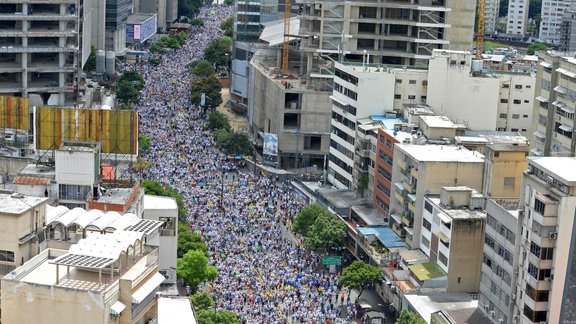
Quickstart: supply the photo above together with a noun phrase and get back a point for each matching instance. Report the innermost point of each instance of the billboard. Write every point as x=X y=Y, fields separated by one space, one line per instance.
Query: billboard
x=115 y=130
x=270 y=144
x=14 y=113
x=137 y=32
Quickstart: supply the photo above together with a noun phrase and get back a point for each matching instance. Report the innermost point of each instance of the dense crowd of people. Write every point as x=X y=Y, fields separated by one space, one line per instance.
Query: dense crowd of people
x=265 y=276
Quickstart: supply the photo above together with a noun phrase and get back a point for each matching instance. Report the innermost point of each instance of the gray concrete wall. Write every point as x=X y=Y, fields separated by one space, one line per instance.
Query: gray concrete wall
x=11 y=166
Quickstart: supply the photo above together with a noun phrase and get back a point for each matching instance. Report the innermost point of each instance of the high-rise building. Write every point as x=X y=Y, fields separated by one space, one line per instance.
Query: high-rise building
x=568 y=29
x=553 y=122
x=42 y=46
x=551 y=21
x=517 y=24
x=117 y=12
x=491 y=18
x=547 y=269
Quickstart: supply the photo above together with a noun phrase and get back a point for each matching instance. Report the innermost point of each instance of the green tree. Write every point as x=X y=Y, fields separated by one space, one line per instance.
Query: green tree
x=193 y=268
x=307 y=217
x=90 y=64
x=407 y=317
x=358 y=274
x=197 y=22
x=190 y=8
x=144 y=143
x=229 y=2
x=126 y=92
x=201 y=301
x=134 y=77
x=533 y=47
x=218 y=52
x=218 y=121
x=188 y=241
x=202 y=68
x=152 y=187
x=211 y=87
x=235 y=143
x=208 y=316
x=328 y=231
x=227 y=25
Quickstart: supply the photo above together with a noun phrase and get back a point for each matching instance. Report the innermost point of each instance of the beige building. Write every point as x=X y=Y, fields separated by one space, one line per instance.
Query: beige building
x=102 y=279
x=505 y=164
x=452 y=235
x=554 y=108
x=546 y=271
x=22 y=220
x=420 y=170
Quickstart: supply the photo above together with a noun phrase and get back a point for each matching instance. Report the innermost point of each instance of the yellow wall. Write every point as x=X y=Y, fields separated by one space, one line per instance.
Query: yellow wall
x=506 y=165
x=466 y=242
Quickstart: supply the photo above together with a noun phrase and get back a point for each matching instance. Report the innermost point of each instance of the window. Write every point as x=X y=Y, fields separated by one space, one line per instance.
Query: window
x=547 y=253
x=425 y=82
x=487 y=261
x=515 y=116
x=505 y=86
x=442 y=258
x=528 y=86
x=526 y=101
x=428 y=207
x=397 y=96
x=539 y=206
x=425 y=242
x=412 y=82
x=504 y=116
x=383 y=189
x=388 y=144
x=509 y=181
x=398 y=81
x=411 y=97
x=518 y=86
x=6 y=256
x=503 y=100
x=489 y=241
x=524 y=116
x=427 y=224
x=517 y=101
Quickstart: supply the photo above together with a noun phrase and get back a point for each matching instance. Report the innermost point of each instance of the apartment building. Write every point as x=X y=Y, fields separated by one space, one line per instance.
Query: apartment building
x=22 y=220
x=568 y=29
x=420 y=170
x=491 y=17
x=546 y=271
x=517 y=24
x=499 y=259
x=102 y=279
x=493 y=100
x=551 y=21
x=42 y=46
x=503 y=171
x=554 y=108
x=452 y=233
x=382 y=183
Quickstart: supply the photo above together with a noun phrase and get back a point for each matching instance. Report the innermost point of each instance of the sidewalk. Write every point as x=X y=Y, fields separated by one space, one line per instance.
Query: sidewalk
x=237 y=122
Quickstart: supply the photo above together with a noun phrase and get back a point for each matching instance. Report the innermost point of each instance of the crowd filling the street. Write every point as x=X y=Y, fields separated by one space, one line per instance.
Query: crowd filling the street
x=264 y=274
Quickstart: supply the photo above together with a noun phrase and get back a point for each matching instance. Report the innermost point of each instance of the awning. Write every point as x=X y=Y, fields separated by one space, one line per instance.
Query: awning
x=546 y=64
x=139 y=295
x=539 y=134
x=560 y=89
x=443 y=237
x=567 y=73
x=445 y=219
x=338 y=101
x=399 y=185
x=567 y=109
x=566 y=128
x=542 y=99
x=412 y=197
x=558 y=104
x=117 y=308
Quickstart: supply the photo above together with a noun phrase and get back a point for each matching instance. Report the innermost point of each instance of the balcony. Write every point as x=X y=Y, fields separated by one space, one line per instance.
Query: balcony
x=407 y=221
x=399 y=197
x=408 y=240
x=398 y=230
x=412 y=207
x=401 y=164
x=408 y=187
x=414 y=173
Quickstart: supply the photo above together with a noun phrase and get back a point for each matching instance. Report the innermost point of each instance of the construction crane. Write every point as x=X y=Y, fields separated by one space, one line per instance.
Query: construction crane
x=481 y=28
x=287 y=5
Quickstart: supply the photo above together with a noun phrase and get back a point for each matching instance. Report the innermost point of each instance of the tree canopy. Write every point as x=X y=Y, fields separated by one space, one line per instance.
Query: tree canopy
x=90 y=64
x=208 y=316
x=534 y=47
x=211 y=87
x=407 y=317
x=189 y=241
x=201 y=300
x=328 y=231
x=218 y=52
x=234 y=143
x=128 y=87
x=358 y=274
x=227 y=25
x=202 y=68
x=144 y=143
x=190 y=8
x=193 y=268
x=306 y=218
x=218 y=121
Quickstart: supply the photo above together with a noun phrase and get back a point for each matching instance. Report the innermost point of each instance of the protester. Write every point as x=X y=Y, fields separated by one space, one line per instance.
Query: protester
x=264 y=275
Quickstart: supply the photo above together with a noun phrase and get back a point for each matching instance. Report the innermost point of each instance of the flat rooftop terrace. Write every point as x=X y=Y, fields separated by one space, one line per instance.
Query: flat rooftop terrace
x=441 y=153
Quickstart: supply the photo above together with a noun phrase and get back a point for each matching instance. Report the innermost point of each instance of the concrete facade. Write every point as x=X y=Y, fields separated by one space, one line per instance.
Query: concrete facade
x=568 y=29
x=554 y=122
x=552 y=13
x=503 y=171
x=517 y=23
x=41 y=49
x=421 y=170
x=491 y=18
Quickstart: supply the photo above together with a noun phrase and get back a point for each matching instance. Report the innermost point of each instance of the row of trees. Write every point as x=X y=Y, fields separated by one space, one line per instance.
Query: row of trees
x=175 y=41
x=204 y=307
x=230 y=141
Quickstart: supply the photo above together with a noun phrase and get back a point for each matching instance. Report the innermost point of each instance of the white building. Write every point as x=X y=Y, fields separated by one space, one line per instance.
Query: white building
x=546 y=271
x=517 y=17
x=77 y=169
x=491 y=17
x=165 y=209
x=552 y=13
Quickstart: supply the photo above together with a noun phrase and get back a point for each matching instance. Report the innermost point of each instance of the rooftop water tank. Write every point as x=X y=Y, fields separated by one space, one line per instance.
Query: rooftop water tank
x=477 y=65
x=110 y=62
x=100 y=61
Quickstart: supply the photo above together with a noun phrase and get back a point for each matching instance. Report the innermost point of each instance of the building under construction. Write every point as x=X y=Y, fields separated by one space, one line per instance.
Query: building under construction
x=40 y=49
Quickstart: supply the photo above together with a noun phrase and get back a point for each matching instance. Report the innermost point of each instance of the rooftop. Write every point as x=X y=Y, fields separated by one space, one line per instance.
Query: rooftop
x=398 y=135
x=499 y=137
x=139 y=18
x=413 y=256
x=369 y=215
x=462 y=307
x=562 y=168
x=158 y=202
x=35 y=170
x=441 y=153
x=500 y=147
x=175 y=311
x=438 y=122
x=427 y=271
x=79 y=147
x=28 y=180
x=385 y=235
x=17 y=204
x=461 y=212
